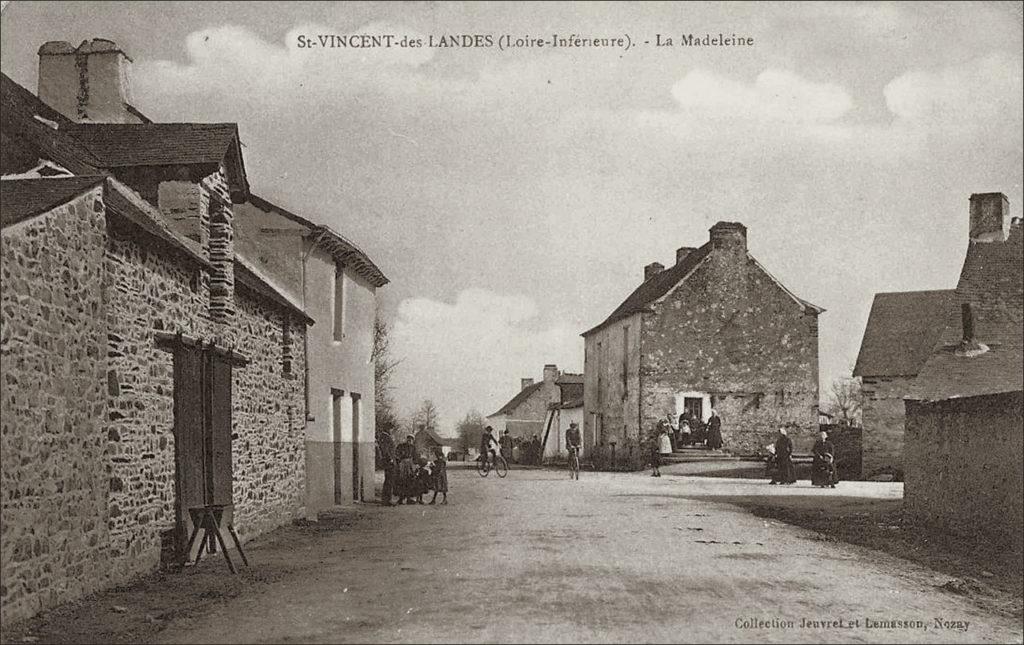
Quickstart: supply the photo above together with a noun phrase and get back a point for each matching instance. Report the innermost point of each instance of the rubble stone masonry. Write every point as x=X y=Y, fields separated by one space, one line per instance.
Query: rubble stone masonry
x=54 y=538
x=731 y=331
x=88 y=455
x=883 y=419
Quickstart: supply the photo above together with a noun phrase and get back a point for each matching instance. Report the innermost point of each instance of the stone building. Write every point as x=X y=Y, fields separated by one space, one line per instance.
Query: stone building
x=901 y=331
x=524 y=414
x=146 y=367
x=714 y=330
x=336 y=283
x=964 y=426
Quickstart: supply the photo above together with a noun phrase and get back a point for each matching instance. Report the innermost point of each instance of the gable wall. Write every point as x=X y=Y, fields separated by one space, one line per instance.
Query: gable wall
x=731 y=331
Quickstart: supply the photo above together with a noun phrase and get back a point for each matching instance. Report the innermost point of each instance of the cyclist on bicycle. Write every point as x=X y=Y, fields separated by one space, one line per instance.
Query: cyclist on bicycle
x=488 y=446
x=573 y=440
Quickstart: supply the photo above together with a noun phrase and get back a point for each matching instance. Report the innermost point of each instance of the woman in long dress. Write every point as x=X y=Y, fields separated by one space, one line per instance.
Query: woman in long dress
x=405 y=485
x=823 y=472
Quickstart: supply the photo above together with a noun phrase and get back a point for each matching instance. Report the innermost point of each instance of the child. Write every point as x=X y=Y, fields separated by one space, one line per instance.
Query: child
x=439 y=473
x=423 y=482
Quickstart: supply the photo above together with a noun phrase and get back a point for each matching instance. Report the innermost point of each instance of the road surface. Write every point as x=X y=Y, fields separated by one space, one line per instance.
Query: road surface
x=613 y=557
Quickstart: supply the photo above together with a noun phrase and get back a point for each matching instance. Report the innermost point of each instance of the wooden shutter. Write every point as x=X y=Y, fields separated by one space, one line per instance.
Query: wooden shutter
x=218 y=376
x=190 y=450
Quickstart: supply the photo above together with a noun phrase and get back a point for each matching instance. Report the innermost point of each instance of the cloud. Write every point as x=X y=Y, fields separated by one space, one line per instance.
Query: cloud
x=231 y=57
x=978 y=92
x=774 y=96
x=470 y=353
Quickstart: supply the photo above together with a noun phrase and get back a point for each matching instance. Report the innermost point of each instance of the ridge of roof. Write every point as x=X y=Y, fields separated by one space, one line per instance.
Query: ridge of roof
x=341 y=249
x=654 y=287
x=518 y=399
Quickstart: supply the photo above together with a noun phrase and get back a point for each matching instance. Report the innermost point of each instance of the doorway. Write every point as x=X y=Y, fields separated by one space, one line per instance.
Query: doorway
x=203 y=472
x=357 y=481
x=337 y=396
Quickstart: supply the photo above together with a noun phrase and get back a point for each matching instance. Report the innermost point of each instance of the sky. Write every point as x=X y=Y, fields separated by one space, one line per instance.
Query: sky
x=513 y=197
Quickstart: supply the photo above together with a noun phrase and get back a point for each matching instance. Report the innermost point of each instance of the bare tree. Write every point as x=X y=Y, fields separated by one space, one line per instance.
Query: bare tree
x=846 y=400
x=470 y=429
x=426 y=416
x=384 y=364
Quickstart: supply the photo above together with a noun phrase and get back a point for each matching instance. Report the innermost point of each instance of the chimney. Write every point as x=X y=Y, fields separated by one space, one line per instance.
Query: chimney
x=969 y=345
x=682 y=252
x=967 y=320
x=729 y=235
x=525 y=383
x=550 y=373
x=652 y=269
x=990 y=217
x=86 y=84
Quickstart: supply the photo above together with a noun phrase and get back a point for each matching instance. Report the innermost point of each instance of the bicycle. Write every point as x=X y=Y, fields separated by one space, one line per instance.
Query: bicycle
x=574 y=463
x=484 y=467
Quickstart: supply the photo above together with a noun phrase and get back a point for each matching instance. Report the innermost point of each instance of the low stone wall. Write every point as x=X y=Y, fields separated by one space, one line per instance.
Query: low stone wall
x=963 y=465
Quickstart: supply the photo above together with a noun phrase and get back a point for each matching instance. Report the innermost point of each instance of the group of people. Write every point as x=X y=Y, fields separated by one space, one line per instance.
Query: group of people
x=520 y=450
x=690 y=430
x=409 y=476
x=823 y=467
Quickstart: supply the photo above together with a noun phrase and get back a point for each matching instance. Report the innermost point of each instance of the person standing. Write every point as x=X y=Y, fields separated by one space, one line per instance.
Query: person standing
x=405 y=483
x=386 y=446
x=784 y=472
x=661 y=448
x=536 y=449
x=439 y=471
x=715 y=431
x=823 y=470
x=506 y=446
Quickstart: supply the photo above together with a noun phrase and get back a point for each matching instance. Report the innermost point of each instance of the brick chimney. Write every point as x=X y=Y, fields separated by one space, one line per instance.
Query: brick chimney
x=990 y=217
x=729 y=235
x=682 y=252
x=652 y=269
x=87 y=84
x=525 y=383
x=551 y=373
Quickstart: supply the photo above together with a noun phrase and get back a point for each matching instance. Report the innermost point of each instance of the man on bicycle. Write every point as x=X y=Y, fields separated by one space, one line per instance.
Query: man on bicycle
x=488 y=446
x=573 y=440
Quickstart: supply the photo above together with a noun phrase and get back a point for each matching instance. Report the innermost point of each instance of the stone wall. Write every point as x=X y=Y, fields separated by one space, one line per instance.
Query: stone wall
x=731 y=331
x=612 y=388
x=963 y=465
x=88 y=454
x=883 y=418
x=54 y=538
x=268 y=421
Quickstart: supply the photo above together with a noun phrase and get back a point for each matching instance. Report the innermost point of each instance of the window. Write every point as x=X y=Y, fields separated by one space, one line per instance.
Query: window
x=625 y=362
x=339 y=303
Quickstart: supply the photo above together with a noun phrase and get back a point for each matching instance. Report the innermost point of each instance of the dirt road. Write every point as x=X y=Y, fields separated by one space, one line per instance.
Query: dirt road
x=613 y=557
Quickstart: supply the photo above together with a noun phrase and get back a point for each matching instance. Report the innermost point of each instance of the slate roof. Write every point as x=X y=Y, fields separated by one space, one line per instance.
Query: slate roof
x=21 y=199
x=992 y=281
x=155 y=144
x=27 y=127
x=433 y=436
x=902 y=329
x=518 y=399
x=569 y=378
x=654 y=287
x=341 y=249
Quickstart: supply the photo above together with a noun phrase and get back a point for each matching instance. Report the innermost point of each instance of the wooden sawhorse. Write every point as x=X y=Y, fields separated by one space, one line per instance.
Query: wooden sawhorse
x=208 y=519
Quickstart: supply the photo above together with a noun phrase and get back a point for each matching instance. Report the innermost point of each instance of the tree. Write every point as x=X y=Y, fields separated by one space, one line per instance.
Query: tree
x=426 y=416
x=846 y=400
x=470 y=429
x=384 y=364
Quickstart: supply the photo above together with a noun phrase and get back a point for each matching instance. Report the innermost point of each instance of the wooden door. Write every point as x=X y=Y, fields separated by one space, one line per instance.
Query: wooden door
x=189 y=441
x=357 y=483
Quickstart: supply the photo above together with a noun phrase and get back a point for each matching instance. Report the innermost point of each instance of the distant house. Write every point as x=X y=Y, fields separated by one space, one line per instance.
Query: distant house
x=525 y=413
x=427 y=442
x=901 y=331
x=964 y=426
x=567 y=410
x=715 y=330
